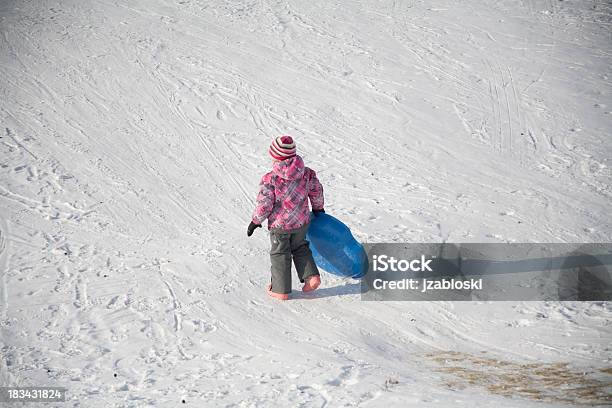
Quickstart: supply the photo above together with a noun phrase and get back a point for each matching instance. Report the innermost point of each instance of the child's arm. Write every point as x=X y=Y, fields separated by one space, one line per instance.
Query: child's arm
x=315 y=192
x=265 y=201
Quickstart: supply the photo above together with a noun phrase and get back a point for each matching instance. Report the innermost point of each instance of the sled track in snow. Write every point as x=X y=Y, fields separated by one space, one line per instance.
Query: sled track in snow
x=4 y=265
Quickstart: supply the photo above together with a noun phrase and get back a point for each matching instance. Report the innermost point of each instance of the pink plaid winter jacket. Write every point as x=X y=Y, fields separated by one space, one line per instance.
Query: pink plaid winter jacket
x=284 y=193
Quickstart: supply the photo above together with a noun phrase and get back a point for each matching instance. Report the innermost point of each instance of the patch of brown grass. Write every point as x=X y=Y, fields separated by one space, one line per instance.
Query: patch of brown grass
x=556 y=382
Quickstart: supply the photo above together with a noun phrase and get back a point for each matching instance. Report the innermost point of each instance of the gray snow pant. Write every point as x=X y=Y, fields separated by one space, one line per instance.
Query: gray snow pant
x=286 y=245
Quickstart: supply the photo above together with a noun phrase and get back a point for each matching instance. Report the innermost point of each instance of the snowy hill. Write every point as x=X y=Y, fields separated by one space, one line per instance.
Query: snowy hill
x=134 y=135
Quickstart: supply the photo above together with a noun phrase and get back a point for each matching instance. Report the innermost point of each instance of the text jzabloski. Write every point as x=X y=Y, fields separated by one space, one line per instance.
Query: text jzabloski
x=384 y=263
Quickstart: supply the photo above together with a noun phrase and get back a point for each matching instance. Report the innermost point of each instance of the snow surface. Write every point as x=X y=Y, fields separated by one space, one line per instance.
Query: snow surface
x=133 y=137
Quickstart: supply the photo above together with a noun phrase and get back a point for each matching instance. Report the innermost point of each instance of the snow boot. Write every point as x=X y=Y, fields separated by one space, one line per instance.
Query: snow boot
x=281 y=296
x=312 y=282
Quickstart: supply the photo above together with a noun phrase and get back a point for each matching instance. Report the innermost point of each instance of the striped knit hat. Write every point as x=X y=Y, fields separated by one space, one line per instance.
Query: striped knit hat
x=282 y=148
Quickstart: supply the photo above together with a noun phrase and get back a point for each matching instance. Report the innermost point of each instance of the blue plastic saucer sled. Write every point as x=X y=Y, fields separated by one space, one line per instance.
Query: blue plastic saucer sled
x=334 y=248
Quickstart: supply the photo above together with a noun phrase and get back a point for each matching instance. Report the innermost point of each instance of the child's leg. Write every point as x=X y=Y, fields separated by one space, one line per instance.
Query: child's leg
x=302 y=256
x=280 y=258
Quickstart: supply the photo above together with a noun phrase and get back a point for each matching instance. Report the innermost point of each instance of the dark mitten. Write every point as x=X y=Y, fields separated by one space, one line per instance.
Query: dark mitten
x=252 y=227
x=317 y=212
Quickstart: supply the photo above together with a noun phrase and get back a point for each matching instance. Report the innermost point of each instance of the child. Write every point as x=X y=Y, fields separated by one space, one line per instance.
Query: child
x=283 y=201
